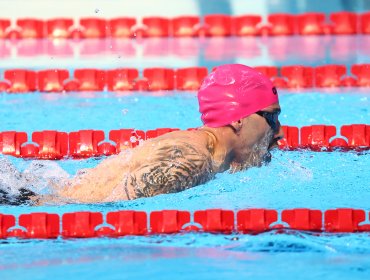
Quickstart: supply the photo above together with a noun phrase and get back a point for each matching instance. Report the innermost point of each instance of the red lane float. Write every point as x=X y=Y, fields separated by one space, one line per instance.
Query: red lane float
x=31 y=28
x=362 y=72
x=185 y=26
x=4 y=24
x=303 y=219
x=337 y=23
x=344 y=23
x=217 y=25
x=81 y=224
x=190 y=78
x=121 y=27
x=165 y=79
x=122 y=79
x=37 y=225
x=329 y=75
x=365 y=23
x=19 y=81
x=89 y=79
x=52 y=80
x=6 y=222
x=317 y=136
x=311 y=23
x=255 y=220
x=159 y=78
x=11 y=141
x=297 y=76
x=129 y=222
x=281 y=24
x=126 y=138
x=50 y=144
x=168 y=221
x=89 y=143
x=358 y=135
x=59 y=27
x=215 y=220
x=93 y=28
x=346 y=220
x=246 y=25
x=154 y=27
x=291 y=138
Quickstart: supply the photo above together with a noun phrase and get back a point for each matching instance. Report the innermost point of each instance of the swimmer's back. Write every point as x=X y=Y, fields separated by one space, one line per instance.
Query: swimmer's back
x=170 y=163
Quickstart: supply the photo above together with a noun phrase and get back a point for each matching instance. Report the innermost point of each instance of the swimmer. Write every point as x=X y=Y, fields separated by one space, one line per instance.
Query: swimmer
x=239 y=109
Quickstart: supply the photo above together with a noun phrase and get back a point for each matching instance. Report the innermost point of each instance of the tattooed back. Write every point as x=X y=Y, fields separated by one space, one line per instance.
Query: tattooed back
x=170 y=163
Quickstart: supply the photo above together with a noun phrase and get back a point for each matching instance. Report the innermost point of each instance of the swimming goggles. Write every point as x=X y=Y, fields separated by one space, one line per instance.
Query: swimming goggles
x=272 y=119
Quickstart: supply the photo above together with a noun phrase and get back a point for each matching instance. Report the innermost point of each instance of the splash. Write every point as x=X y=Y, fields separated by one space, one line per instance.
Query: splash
x=13 y=186
x=11 y=180
x=293 y=169
x=39 y=178
x=41 y=175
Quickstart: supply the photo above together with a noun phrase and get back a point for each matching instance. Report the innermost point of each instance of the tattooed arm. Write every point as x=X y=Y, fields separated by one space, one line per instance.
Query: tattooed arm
x=173 y=168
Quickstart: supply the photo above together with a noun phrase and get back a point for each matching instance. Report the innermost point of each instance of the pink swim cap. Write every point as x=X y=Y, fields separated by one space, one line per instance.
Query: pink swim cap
x=232 y=92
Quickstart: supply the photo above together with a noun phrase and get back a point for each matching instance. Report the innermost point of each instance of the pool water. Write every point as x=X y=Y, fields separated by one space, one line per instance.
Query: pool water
x=293 y=179
x=324 y=180
x=108 y=110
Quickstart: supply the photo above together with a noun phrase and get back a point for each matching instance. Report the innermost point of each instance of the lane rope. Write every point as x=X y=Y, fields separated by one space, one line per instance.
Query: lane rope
x=128 y=222
x=338 y=23
x=52 y=144
x=167 y=79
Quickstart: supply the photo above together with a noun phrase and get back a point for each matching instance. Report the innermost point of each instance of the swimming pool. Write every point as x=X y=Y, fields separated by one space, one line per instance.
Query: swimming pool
x=294 y=179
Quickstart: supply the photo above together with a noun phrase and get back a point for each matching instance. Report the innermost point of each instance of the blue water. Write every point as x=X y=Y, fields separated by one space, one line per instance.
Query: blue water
x=292 y=179
x=107 y=111
x=200 y=256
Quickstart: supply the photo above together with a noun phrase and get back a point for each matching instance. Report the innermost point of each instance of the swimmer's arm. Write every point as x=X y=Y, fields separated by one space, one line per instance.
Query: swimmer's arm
x=177 y=168
x=94 y=184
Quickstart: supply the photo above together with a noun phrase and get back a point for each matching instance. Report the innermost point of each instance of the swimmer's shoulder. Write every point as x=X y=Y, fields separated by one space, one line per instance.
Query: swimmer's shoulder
x=172 y=163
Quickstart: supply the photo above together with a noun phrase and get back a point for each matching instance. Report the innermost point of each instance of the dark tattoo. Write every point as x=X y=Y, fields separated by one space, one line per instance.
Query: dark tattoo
x=174 y=169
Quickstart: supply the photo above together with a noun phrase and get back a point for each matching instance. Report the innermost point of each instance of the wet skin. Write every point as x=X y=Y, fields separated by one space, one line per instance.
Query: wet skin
x=171 y=163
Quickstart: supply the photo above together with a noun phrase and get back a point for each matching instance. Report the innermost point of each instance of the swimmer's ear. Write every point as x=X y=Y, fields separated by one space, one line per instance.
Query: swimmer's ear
x=236 y=126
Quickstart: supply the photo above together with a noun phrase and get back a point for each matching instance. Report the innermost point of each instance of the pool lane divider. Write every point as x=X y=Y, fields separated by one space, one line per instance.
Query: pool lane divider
x=52 y=144
x=128 y=222
x=167 y=79
x=212 y=25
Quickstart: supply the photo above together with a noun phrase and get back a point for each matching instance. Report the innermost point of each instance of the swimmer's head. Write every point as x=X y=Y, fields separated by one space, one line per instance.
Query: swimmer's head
x=232 y=92
x=241 y=98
